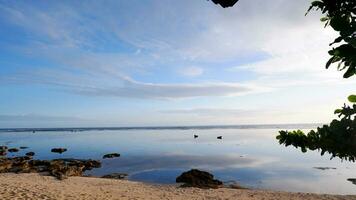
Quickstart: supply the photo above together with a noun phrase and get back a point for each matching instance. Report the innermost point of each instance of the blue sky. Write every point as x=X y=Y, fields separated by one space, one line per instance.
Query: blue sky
x=153 y=62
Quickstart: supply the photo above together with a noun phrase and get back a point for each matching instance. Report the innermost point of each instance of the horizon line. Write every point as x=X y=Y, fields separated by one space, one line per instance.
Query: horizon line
x=168 y=127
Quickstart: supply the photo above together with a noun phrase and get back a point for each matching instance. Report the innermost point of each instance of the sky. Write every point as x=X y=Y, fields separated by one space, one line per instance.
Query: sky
x=164 y=63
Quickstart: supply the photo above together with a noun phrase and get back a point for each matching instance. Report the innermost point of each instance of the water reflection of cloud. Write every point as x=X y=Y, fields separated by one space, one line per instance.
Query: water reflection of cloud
x=134 y=164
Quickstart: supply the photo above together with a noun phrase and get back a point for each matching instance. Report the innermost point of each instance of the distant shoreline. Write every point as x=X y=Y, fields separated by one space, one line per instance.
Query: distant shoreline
x=203 y=127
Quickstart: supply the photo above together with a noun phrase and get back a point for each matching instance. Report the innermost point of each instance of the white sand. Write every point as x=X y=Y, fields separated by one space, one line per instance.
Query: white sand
x=34 y=186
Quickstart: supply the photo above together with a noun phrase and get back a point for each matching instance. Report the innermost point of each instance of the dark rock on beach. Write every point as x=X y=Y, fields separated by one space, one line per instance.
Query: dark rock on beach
x=116 y=176
x=5 y=165
x=59 y=168
x=58 y=150
x=12 y=150
x=111 y=155
x=3 y=153
x=197 y=178
x=23 y=147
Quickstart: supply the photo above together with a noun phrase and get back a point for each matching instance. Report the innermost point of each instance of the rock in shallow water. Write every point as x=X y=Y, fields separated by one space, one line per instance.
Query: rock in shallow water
x=115 y=176
x=58 y=150
x=30 y=153
x=3 y=148
x=111 y=155
x=197 y=178
x=12 y=150
x=352 y=180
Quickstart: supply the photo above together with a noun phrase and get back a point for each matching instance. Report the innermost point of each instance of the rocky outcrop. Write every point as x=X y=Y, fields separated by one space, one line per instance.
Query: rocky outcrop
x=197 y=178
x=5 y=165
x=111 y=155
x=59 y=168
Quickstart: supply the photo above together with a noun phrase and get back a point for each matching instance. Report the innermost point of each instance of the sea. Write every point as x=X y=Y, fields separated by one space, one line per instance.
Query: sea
x=248 y=155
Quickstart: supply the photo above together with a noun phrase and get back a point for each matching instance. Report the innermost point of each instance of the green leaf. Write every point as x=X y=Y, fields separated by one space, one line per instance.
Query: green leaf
x=352 y=98
x=339 y=23
x=331 y=60
x=324 y=19
x=337 y=111
x=337 y=40
x=350 y=72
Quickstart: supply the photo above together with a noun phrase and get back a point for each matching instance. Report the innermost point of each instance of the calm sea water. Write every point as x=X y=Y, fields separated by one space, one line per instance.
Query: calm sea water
x=249 y=155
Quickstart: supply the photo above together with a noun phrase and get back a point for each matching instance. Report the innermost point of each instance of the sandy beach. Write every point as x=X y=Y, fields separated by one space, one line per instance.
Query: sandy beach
x=34 y=186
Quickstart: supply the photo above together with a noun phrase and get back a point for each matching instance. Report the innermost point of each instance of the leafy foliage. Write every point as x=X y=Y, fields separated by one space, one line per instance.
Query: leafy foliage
x=341 y=16
x=225 y=3
x=338 y=138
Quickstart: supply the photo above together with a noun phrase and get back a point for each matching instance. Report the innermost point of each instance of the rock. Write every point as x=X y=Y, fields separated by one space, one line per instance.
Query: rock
x=233 y=185
x=236 y=186
x=3 y=153
x=88 y=164
x=197 y=178
x=219 y=137
x=91 y=164
x=12 y=150
x=3 y=148
x=111 y=155
x=63 y=168
x=324 y=168
x=352 y=180
x=115 y=176
x=30 y=153
x=21 y=167
x=23 y=147
x=40 y=165
x=196 y=136
x=5 y=165
x=60 y=168
x=58 y=150
x=21 y=158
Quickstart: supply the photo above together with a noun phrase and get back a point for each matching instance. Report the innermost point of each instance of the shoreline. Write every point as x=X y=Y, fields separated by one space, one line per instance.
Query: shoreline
x=36 y=186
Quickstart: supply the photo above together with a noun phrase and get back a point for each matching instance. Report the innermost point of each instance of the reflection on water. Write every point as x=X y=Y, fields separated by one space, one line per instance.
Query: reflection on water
x=251 y=157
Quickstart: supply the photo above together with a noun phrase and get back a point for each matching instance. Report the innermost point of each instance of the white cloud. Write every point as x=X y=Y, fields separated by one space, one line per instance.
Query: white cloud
x=170 y=34
x=192 y=71
x=134 y=89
